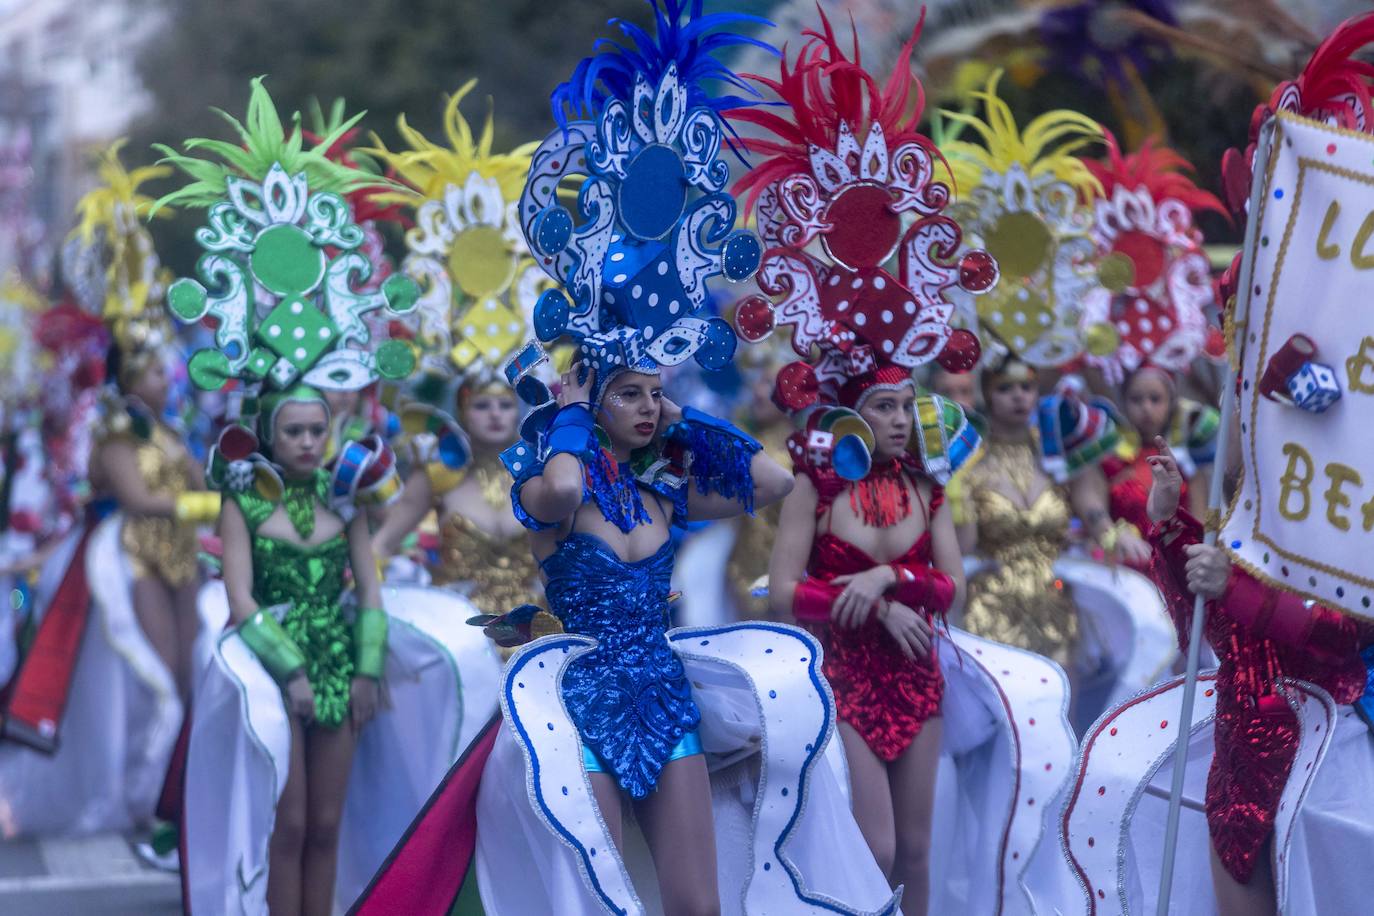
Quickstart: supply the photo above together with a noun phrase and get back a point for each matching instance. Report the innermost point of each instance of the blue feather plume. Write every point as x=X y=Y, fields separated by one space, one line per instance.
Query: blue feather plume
x=691 y=44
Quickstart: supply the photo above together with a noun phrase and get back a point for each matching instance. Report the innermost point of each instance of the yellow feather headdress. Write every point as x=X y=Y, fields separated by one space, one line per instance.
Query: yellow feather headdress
x=1048 y=145
x=1025 y=196
x=478 y=281
x=122 y=275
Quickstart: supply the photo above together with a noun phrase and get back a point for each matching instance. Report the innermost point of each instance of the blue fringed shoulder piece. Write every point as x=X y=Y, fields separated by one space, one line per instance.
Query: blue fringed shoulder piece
x=720 y=455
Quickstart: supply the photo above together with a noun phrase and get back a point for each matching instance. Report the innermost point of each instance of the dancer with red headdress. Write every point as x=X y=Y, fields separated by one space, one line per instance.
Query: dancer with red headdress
x=866 y=555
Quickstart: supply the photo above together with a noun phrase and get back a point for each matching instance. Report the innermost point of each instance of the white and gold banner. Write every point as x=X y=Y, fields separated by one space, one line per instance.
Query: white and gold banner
x=1303 y=517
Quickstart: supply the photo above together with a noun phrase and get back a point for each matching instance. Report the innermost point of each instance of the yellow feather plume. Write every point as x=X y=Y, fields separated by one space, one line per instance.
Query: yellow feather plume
x=134 y=278
x=429 y=167
x=1048 y=144
x=117 y=194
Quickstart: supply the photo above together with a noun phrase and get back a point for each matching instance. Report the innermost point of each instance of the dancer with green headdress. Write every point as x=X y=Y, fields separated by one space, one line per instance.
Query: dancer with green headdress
x=300 y=674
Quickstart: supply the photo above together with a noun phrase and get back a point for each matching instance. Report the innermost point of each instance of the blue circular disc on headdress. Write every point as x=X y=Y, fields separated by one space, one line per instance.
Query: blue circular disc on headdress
x=551 y=315
x=453 y=451
x=653 y=192
x=532 y=391
x=740 y=255
x=718 y=347
x=551 y=230
x=850 y=458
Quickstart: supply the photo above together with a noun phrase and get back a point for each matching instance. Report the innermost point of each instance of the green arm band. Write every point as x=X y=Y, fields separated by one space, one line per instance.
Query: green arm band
x=274 y=648
x=369 y=643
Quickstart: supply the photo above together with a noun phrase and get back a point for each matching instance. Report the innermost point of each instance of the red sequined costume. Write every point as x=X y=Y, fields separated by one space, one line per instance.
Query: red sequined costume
x=1260 y=635
x=1129 y=483
x=885 y=696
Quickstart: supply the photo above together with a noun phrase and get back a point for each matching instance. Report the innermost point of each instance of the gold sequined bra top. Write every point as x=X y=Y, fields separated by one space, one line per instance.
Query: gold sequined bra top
x=162 y=547
x=1017 y=599
x=503 y=569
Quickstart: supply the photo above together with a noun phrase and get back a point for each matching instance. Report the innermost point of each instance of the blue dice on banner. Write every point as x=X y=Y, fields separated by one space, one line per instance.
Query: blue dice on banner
x=1314 y=387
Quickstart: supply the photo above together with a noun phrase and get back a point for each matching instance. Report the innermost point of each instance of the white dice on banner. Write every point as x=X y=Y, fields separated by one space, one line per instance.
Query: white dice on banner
x=1303 y=517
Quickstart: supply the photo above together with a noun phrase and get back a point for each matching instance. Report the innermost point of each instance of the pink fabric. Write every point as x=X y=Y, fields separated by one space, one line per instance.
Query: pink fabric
x=426 y=870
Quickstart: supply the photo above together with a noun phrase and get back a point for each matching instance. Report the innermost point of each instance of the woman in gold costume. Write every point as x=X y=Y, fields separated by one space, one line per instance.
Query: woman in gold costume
x=144 y=465
x=478 y=286
x=92 y=713
x=482 y=548
x=1037 y=474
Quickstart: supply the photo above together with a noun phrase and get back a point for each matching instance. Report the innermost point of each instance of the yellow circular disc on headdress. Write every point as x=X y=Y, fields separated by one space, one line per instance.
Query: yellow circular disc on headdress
x=1021 y=243
x=480 y=261
x=1116 y=271
x=1102 y=339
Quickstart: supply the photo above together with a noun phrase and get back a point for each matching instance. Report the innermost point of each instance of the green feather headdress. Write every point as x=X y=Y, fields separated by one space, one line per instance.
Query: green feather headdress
x=264 y=142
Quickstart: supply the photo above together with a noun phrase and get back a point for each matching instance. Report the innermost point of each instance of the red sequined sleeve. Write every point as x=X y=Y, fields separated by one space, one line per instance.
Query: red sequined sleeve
x=1170 y=540
x=1284 y=618
x=812 y=600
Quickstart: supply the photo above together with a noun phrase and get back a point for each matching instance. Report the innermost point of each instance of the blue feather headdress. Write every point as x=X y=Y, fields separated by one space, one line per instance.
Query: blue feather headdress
x=641 y=136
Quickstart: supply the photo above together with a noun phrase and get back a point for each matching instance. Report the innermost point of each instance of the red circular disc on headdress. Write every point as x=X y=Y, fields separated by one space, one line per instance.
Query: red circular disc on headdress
x=1146 y=254
x=796 y=388
x=754 y=318
x=961 y=351
x=237 y=443
x=977 y=271
x=864 y=228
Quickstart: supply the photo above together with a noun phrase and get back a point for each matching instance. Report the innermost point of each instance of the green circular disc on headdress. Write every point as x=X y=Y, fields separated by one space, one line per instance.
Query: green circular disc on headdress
x=395 y=359
x=286 y=261
x=186 y=299
x=401 y=293
x=209 y=369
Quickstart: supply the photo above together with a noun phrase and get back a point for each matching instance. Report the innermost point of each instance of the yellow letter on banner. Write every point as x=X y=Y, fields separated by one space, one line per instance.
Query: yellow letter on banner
x=1340 y=475
x=1325 y=250
x=1358 y=258
x=1294 y=482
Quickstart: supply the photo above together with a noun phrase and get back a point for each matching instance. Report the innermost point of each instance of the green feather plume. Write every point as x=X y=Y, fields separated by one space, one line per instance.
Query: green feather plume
x=263 y=141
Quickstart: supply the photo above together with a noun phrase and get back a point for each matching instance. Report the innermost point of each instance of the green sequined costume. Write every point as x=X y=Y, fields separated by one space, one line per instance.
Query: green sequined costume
x=311 y=580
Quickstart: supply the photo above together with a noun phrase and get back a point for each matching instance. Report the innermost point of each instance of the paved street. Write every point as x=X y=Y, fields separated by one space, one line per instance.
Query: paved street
x=82 y=877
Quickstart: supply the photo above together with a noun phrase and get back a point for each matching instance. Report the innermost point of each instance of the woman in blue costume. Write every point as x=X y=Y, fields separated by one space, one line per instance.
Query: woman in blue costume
x=606 y=545
x=718 y=739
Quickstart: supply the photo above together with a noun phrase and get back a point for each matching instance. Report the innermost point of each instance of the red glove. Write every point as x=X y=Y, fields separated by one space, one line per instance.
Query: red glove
x=812 y=599
x=921 y=586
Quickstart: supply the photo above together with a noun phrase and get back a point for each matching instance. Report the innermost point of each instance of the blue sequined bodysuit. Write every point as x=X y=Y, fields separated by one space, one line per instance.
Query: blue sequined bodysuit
x=629 y=697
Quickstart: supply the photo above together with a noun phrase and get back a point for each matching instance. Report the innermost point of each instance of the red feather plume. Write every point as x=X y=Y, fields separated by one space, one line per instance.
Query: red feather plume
x=823 y=88
x=1160 y=170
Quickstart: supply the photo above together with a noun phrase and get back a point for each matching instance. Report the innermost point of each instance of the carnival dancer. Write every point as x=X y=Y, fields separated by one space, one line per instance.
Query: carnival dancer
x=719 y=737
x=1151 y=402
x=1274 y=786
x=101 y=688
x=1280 y=752
x=866 y=555
x=479 y=286
x=289 y=714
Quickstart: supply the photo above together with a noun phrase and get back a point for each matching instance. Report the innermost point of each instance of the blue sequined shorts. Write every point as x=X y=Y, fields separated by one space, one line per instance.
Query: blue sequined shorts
x=689 y=746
